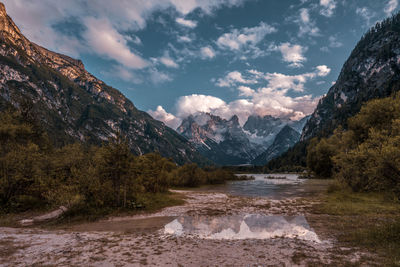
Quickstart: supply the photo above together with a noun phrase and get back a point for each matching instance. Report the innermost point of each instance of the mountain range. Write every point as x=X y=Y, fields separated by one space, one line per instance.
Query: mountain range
x=74 y=106
x=226 y=142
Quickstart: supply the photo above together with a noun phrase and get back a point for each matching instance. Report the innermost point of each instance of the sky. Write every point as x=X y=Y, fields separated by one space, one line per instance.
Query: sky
x=173 y=58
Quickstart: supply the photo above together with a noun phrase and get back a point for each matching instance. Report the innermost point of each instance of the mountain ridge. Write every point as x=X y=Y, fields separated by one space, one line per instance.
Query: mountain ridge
x=72 y=104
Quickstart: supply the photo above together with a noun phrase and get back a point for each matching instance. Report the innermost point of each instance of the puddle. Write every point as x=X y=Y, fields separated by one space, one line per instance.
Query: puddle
x=252 y=226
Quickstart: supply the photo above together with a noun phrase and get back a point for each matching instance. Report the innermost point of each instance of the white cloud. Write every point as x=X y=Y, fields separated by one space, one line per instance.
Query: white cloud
x=391 y=6
x=323 y=70
x=271 y=99
x=306 y=25
x=233 y=78
x=169 y=119
x=292 y=54
x=184 y=39
x=239 y=39
x=207 y=52
x=245 y=91
x=186 y=22
x=168 y=62
x=190 y=104
x=328 y=7
x=106 y=41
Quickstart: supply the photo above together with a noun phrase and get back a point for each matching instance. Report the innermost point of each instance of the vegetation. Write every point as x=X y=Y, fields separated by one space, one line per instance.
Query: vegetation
x=87 y=179
x=367 y=220
x=367 y=155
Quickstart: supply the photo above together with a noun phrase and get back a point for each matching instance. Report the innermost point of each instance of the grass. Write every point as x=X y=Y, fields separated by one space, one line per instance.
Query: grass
x=366 y=220
x=151 y=202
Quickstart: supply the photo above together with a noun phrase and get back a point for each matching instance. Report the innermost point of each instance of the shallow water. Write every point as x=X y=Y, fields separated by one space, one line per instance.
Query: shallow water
x=271 y=188
x=251 y=226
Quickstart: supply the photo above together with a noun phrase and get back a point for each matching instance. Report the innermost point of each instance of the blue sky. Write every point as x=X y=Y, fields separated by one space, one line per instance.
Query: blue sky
x=173 y=58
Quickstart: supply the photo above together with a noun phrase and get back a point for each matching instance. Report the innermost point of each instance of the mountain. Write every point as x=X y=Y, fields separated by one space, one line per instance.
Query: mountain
x=73 y=105
x=222 y=141
x=262 y=130
x=285 y=139
x=371 y=71
x=225 y=142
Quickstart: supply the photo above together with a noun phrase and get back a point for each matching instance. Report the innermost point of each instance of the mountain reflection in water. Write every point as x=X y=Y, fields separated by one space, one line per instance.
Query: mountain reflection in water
x=251 y=226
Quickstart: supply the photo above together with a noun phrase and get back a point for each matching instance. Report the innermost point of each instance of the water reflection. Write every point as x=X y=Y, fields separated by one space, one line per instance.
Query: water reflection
x=252 y=226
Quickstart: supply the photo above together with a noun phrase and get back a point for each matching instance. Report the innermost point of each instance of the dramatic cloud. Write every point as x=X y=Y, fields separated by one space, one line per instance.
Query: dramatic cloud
x=240 y=39
x=391 y=6
x=207 y=52
x=106 y=41
x=168 y=118
x=187 y=23
x=328 y=7
x=187 y=105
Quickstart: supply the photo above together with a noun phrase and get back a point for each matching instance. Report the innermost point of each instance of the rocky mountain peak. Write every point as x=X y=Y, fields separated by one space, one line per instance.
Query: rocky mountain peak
x=72 y=104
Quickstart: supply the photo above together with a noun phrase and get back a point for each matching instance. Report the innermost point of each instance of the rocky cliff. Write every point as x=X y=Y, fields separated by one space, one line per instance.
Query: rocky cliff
x=73 y=105
x=371 y=71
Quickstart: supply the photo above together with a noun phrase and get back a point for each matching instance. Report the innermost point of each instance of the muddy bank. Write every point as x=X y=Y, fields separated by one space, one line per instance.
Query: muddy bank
x=143 y=240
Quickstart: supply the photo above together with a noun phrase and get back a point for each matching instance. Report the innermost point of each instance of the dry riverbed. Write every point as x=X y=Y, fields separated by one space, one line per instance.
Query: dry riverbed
x=211 y=229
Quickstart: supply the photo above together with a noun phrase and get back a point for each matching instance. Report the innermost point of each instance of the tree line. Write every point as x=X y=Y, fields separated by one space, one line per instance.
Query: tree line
x=366 y=156
x=35 y=174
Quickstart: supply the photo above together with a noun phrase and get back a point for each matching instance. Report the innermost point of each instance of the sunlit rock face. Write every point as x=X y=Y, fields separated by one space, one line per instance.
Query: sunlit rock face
x=371 y=71
x=250 y=226
x=72 y=104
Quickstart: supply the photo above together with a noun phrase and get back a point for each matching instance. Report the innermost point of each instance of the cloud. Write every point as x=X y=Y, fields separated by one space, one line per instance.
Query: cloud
x=391 y=6
x=190 y=104
x=37 y=19
x=106 y=41
x=292 y=54
x=245 y=91
x=184 y=39
x=323 y=70
x=306 y=25
x=123 y=73
x=271 y=99
x=328 y=7
x=158 y=77
x=233 y=78
x=167 y=61
x=207 y=52
x=366 y=14
x=169 y=119
x=187 y=23
x=334 y=43
x=246 y=37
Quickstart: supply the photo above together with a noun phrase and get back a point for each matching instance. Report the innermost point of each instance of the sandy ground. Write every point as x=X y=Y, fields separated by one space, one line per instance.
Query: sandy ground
x=141 y=240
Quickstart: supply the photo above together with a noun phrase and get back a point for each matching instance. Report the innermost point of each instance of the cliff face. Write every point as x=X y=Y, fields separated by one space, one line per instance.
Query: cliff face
x=222 y=141
x=371 y=71
x=284 y=140
x=72 y=104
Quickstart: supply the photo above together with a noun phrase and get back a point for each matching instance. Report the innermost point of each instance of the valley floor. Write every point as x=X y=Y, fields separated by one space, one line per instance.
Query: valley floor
x=142 y=240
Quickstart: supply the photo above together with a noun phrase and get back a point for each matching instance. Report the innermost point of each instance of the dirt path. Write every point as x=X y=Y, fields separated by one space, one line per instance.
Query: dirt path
x=141 y=240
